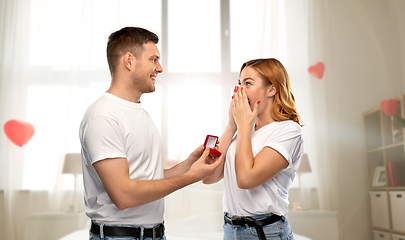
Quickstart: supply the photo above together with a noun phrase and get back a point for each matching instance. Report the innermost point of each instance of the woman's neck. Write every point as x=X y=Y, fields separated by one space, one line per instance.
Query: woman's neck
x=263 y=121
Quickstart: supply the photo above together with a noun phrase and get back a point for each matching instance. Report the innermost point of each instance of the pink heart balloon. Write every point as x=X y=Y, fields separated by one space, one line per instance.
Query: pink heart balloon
x=389 y=107
x=317 y=70
x=19 y=132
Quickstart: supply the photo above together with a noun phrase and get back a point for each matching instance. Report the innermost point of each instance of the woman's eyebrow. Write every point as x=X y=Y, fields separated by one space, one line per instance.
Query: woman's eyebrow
x=248 y=78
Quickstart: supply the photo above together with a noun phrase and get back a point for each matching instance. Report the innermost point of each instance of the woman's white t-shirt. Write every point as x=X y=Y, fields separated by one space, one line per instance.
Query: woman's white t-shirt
x=271 y=197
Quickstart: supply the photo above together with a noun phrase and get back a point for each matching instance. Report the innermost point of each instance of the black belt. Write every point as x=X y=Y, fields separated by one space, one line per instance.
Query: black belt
x=155 y=232
x=251 y=222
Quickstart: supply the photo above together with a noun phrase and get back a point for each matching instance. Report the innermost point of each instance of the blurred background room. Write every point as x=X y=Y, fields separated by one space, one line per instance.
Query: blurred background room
x=346 y=61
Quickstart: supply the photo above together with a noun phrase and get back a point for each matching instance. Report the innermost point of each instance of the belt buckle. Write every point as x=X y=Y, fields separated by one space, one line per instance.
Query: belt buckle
x=154 y=228
x=236 y=221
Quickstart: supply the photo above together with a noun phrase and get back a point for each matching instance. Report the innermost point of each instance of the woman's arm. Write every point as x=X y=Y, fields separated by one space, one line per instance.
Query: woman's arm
x=223 y=145
x=252 y=171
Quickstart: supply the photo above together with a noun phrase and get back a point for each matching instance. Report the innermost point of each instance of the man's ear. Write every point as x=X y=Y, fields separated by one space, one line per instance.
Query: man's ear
x=129 y=60
x=272 y=91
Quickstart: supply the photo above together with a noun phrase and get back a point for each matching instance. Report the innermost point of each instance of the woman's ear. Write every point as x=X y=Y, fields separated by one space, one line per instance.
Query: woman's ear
x=272 y=91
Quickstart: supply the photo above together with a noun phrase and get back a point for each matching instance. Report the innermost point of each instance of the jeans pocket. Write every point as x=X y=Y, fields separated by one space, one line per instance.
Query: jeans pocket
x=93 y=237
x=290 y=236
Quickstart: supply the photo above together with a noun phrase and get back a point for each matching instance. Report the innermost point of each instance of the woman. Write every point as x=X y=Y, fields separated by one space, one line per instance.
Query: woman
x=261 y=160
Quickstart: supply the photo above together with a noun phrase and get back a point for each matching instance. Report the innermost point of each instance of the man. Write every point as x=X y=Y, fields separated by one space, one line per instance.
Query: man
x=124 y=180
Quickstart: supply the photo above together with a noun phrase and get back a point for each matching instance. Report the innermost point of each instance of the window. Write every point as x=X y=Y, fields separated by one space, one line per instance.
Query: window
x=249 y=37
x=68 y=70
x=72 y=35
x=194 y=112
x=194 y=40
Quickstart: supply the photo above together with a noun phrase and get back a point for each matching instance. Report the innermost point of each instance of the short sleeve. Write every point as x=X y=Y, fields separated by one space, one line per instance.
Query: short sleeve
x=288 y=142
x=103 y=139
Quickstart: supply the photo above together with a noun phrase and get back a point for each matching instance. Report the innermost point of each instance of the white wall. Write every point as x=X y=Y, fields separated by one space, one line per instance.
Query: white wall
x=2 y=212
x=364 y=65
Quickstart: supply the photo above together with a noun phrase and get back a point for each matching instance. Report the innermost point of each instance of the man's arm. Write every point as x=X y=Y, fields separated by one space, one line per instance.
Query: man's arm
x=126 y=193
x=185 y=165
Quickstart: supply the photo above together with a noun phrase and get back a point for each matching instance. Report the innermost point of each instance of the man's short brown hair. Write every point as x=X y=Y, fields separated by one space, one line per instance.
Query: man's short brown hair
x=128 y=39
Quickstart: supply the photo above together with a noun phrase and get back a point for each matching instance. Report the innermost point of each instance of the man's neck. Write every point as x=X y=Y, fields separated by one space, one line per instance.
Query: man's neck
x=125 y=94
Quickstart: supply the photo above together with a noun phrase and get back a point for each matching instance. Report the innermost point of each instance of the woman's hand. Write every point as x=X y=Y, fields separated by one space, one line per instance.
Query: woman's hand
x=241 y=111
x=231 y=120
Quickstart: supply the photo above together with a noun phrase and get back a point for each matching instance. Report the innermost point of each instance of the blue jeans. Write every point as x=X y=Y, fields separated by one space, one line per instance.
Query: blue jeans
x=93 y=237
x=280 y=230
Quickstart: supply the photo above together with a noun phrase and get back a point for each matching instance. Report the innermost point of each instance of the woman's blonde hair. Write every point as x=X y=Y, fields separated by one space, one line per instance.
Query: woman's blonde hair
x=274 y=73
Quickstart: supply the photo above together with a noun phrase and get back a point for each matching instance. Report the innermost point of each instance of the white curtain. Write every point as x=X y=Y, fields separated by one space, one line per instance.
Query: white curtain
x=52 y=67
x=11 y=78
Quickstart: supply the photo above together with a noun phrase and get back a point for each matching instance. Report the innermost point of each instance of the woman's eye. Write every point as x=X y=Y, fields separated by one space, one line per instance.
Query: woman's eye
x=248 y=83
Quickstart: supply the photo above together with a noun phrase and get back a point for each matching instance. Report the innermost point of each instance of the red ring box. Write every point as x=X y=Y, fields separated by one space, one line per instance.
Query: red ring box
x=210 y=142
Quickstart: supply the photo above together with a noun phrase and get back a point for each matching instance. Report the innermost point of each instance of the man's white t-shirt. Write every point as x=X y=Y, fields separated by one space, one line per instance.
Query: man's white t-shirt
x=116 y=128
x=271 y=197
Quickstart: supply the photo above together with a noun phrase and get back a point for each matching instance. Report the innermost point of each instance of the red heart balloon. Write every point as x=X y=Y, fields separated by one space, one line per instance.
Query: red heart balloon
x=19 y=132
x=389 y=107
x=317 y=70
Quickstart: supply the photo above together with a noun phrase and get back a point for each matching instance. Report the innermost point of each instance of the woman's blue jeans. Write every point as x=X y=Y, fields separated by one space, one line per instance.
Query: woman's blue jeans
x=280 y=230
